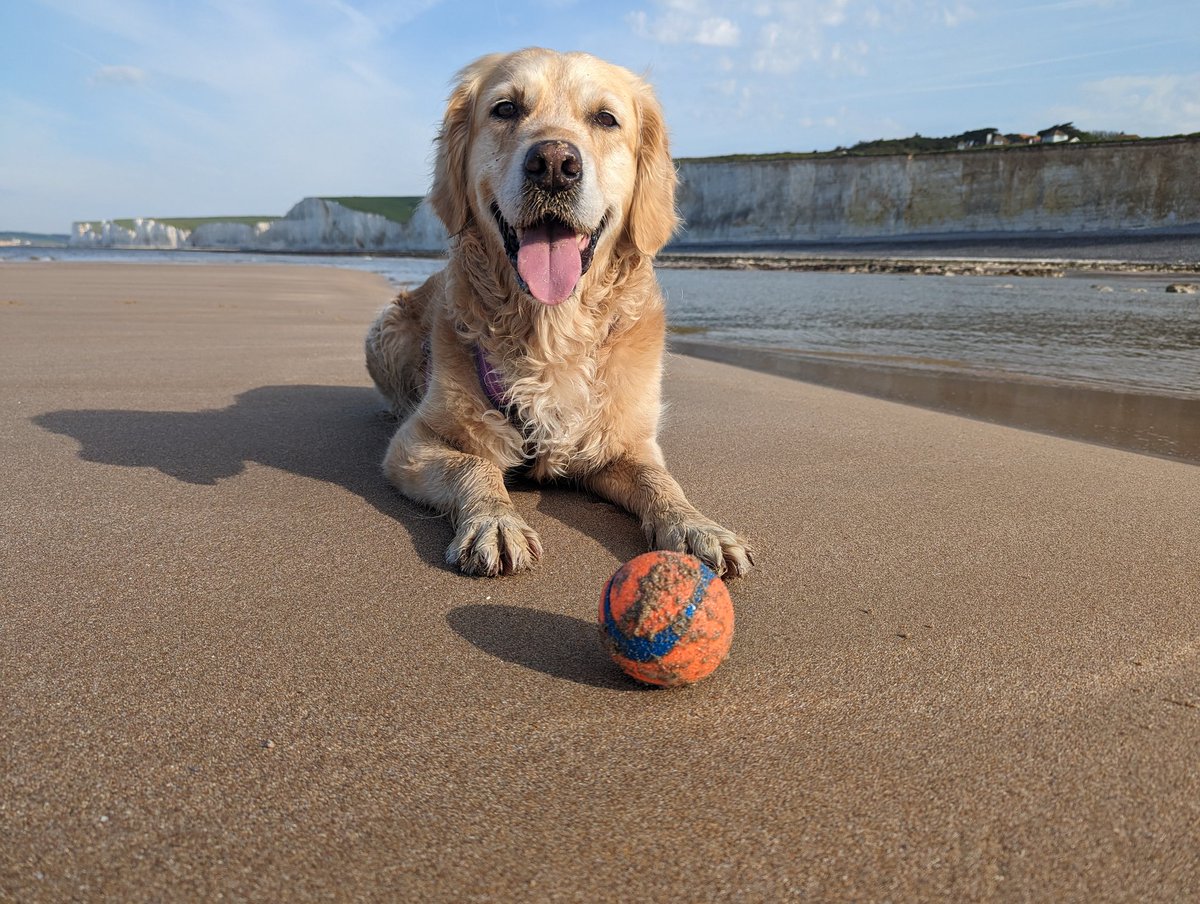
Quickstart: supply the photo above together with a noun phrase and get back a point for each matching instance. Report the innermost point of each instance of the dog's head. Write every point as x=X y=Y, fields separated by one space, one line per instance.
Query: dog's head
x=560 y=160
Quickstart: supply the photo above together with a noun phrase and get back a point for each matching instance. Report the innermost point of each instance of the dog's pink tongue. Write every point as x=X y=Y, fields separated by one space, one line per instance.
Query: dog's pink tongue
x=549 y=262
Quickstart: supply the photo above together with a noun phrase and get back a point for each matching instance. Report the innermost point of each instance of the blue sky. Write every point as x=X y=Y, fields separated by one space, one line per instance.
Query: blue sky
x=115 y=108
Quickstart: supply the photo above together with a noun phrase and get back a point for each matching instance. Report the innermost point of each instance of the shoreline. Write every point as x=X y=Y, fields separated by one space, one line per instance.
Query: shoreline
x=1134 y=419
x=1165 y=251
x=843 y=364
x=918 y=266
x=932 y=265
x=1173 y=253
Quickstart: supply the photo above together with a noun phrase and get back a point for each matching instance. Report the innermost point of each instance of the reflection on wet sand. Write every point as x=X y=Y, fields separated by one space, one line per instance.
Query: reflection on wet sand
x=1122 y=331
x=1153 y=424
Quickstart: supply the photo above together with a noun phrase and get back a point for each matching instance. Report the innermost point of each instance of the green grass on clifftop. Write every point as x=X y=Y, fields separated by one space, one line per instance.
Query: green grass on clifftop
x=188 y=223
x=398 y=209
x=919 y=144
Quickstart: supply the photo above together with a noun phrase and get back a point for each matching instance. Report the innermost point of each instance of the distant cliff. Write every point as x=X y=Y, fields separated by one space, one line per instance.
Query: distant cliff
x=1132 y=185
x=1060 y=189
x=313 y=225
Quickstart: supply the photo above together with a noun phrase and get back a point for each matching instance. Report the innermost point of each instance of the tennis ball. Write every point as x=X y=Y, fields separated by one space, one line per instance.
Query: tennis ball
x=666 y=619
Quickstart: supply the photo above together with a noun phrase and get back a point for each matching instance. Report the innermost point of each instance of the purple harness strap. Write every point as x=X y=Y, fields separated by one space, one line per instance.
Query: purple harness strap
x=493 y=386
x=489 y=379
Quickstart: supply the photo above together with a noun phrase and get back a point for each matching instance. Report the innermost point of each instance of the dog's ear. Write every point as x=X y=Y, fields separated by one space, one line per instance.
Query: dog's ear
x=652 y=216
x=448 y=195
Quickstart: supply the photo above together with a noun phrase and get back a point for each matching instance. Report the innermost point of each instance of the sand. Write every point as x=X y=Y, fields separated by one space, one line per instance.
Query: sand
x=234 y=665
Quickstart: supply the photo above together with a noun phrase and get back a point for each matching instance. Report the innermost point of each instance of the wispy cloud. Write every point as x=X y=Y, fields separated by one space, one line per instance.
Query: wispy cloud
x=953 y=15
x=686 y=22
x=779 y=37
x=118 y=75
x=1144 y=105
x=903 y=14
x=1067 y=5
x=773 y=36
x=248 y=99
x=783 y=64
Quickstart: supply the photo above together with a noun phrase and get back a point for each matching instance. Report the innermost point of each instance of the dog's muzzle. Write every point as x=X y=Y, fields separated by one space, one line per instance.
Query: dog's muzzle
x=549 y=248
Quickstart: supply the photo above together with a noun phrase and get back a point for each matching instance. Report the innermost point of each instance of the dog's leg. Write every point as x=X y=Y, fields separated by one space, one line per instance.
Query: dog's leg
x=396 y=356
x=490 y=537
x=642 y=485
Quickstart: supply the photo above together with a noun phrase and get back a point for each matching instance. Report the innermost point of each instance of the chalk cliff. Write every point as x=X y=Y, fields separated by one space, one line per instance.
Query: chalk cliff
x=1066 y=189
x=146 y=233
x=312 y=225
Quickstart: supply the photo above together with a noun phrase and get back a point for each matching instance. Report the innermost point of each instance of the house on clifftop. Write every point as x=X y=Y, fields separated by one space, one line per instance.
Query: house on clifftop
x=981 y=138
x=1059 y=134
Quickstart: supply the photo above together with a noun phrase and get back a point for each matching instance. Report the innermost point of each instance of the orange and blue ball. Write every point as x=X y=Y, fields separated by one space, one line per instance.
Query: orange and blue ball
x=666 y=619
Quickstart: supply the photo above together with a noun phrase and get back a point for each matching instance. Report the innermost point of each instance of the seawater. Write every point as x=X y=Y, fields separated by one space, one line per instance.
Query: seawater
x=1121 y=331
x=400 y=271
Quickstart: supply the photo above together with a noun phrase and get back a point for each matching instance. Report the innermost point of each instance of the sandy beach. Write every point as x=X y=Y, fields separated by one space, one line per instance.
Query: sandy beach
x=234 y=665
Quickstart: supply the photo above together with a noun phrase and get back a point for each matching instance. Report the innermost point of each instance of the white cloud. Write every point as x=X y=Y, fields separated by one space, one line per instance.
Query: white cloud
x=850 y=56
x=776 y=36
x=834 y=13
x=717 y=32
x=1143 y=105
x=796 y=35
x=900 y=14
x=954 y=15
x=1061 y=5
x=681 y=24
x=118 y=75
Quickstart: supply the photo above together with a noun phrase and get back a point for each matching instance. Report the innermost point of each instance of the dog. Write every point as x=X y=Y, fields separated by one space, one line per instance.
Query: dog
x=539 y=347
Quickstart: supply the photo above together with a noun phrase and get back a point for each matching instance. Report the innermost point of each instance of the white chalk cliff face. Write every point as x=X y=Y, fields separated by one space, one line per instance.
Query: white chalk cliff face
x=145 y=234
x=313 y=225
x=1071 y=189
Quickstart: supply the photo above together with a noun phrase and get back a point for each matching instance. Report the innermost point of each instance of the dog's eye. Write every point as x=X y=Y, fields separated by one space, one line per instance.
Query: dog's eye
x=606 y=120
x=506 y=109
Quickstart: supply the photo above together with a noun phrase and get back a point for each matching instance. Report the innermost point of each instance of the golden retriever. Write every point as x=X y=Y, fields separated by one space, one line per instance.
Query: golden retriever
x=539 y=347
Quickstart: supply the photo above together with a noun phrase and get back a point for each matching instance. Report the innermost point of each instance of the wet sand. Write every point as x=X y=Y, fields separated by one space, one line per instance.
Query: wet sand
x=234 y=664
x=1153 y=423
x=1016 y=254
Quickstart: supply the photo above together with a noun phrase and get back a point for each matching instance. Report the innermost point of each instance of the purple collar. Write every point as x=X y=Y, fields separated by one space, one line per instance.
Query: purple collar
x=489 y=379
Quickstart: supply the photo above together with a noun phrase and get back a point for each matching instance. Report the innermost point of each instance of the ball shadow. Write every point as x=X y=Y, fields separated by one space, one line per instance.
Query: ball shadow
x=557 y=645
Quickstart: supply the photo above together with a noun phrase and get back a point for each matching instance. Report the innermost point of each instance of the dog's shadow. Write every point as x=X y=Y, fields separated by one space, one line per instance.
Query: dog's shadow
x=335 y=434
x=338 y=434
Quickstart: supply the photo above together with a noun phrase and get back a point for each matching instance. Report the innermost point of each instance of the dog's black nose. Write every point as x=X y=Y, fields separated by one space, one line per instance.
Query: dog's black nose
x=553 y=165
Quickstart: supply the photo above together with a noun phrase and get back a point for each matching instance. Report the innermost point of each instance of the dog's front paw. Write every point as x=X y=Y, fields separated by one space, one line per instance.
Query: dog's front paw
x=721 y=550
x=494 y=544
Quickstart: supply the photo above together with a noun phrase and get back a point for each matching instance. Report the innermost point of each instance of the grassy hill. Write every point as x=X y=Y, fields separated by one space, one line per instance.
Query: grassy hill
x=922 y=144
x=188 y=223
x=396 y=209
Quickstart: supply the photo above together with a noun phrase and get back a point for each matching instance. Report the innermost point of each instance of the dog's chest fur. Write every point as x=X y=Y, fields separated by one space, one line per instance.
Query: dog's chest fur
x=558 y=410
x=553 y=363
